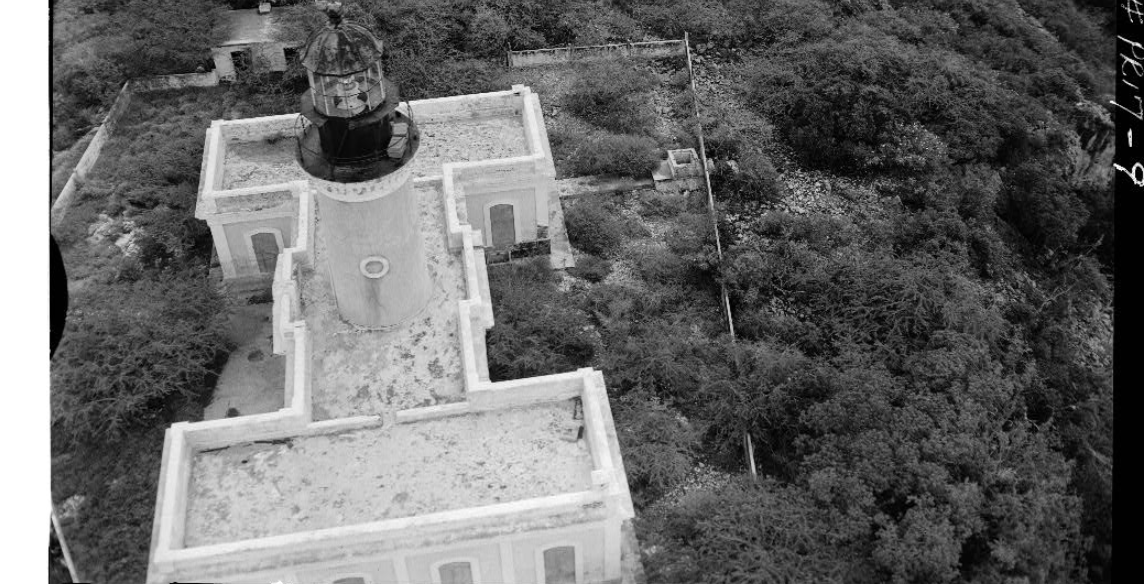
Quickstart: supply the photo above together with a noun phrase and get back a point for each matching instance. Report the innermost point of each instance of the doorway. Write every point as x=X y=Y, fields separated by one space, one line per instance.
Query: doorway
x=265 y=246
x=456 y=573
x=242 y=60
x=502 y=221
x=560 y=565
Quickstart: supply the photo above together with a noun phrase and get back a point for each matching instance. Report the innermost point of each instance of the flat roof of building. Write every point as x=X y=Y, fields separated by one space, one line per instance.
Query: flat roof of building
x=358 y=476
x=358 y=372
x=266 y=162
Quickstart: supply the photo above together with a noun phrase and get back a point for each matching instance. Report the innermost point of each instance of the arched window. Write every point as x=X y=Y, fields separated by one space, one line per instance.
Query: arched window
x=456 y=571
x=355 y=579
x=559 y=564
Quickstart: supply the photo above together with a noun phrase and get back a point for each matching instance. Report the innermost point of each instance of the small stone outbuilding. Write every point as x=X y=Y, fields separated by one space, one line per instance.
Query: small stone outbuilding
x=255 y=41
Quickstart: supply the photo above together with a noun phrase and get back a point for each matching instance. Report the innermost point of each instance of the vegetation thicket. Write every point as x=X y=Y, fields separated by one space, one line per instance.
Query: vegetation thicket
x=921 y=386
x=924 y=384
x=146 y=333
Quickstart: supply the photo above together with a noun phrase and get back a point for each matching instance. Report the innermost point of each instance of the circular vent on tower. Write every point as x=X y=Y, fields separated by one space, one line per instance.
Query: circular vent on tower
x=374 y=267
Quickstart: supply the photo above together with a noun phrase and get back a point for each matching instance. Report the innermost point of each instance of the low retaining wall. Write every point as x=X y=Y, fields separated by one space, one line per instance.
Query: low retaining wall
x=642 y=50
x=111 y=121
x=91 y=155
x=177 y=81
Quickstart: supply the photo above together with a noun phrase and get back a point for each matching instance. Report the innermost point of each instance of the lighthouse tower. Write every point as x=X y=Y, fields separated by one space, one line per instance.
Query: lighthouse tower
x=359 y=150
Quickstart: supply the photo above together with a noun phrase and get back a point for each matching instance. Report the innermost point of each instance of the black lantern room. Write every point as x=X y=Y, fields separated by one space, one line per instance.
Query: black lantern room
x=350 y=129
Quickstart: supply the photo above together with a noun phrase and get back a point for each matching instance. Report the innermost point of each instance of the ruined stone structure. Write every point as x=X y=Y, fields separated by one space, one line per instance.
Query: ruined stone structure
x=252 y=43
x=681 y=171
x=395 y=458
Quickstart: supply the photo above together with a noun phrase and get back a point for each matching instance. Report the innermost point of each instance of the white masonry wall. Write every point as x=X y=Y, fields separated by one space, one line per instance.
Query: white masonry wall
x=505 y=542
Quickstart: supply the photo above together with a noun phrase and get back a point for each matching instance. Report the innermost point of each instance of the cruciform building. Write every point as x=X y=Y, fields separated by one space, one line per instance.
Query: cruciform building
x=395 y=460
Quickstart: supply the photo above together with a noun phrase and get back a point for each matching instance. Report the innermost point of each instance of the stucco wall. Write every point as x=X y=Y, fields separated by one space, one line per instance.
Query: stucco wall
x=263 y=57
x=236 y=235
x=378 y=570
x=589 y=544
x=460 y=107
x=512 y=558
x=524 y=211
x=485 y=556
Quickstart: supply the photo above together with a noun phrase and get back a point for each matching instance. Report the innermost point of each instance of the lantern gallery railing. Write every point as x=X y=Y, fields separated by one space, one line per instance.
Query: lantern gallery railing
x=383 y=152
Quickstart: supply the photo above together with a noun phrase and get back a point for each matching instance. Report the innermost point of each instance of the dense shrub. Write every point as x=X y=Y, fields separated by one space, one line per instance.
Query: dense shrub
x=591 y=268
x=853 y=105
x=658 y=356
x=658 y=445
x=792 y=22
x=421 y=77
x=130 y=349
x=613 y=95
x=111 y=539
x=93 y=54
x=781 y=328
x=692 y=235
x=634 y=156
x=723 y=142
x=171 y=240
x=489 y=35
x=707 y=20
x=594 y=227
x=535 y=334
x=165 y=36
x=988 y=253
x=660 y=205
x=820 y=232
x=1042 y=206
x=757 y=181
x=658 y=267
x=1100 y=229
x=1010 y=41
x=426 y=28
x=748 y=534
x=590 y=23
x=758 y=389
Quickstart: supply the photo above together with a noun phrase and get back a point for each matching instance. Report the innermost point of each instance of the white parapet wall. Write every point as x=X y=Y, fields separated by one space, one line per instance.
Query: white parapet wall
x=516 y=532
x=601 y=509
x=527 y=180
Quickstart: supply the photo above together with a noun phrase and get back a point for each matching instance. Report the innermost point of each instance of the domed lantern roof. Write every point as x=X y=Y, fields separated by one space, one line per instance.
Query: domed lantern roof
x=350 y=129
x=341 y=48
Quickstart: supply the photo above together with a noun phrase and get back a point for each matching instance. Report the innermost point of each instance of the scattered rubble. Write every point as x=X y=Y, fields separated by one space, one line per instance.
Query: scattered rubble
x=121 y=232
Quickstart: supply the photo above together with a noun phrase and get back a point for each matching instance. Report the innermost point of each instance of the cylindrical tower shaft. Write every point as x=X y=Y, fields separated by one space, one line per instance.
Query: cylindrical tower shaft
x=358 y=149
x=374 y=249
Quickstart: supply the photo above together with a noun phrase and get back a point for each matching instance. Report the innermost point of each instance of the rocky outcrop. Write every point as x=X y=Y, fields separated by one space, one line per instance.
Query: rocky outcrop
x=1091 y=156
